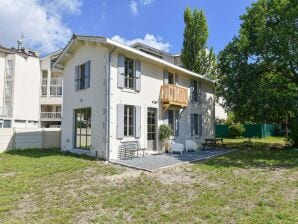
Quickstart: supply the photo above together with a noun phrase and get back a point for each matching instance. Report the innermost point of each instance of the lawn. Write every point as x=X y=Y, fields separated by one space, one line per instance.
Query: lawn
x=255 y=184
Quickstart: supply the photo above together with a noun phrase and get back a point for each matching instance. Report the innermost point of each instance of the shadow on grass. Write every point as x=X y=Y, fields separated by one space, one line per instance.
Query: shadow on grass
x=258 y=155
x=38 y=153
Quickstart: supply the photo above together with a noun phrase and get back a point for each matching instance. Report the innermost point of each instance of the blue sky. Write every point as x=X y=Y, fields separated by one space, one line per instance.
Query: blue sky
x=161 y=18
x=47 y=25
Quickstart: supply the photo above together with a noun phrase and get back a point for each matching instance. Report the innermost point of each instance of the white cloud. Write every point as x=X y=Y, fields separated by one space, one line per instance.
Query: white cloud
x=148 y=39
x=147 y=2
x=134 y=7
x=39 y=20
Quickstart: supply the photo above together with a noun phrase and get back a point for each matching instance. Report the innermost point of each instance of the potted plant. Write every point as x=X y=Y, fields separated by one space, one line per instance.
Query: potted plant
x=165 y=132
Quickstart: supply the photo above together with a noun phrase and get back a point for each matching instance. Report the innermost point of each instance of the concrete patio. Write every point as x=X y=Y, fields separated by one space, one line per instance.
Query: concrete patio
x=160 y=161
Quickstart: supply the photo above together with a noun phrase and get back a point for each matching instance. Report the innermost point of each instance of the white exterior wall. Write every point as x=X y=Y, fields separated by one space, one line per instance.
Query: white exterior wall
x=2 y=74
x=93 y=97
x=151 y=82
x=26 y=88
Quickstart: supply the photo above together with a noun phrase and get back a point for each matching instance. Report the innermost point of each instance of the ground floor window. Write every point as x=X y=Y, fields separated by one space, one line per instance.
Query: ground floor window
x=128 y=120
x=82 y=128
x=151 y=124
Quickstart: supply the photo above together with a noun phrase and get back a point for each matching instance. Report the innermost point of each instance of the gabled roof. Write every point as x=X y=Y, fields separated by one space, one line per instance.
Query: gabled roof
x=52 y=55
x=139 y=44
x=108 y=42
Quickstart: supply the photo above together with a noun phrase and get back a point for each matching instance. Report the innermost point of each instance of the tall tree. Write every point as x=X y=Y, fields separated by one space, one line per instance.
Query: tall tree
x=258 y=68
x=195 y=55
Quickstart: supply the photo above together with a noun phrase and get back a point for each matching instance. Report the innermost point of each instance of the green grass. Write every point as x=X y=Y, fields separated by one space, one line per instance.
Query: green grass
x=255 y=184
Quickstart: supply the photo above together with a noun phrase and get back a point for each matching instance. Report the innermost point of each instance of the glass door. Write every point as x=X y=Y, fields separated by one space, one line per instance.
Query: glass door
x=151 y=128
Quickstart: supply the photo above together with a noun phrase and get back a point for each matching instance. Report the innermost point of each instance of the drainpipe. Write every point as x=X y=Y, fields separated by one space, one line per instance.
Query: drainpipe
x=108 y=85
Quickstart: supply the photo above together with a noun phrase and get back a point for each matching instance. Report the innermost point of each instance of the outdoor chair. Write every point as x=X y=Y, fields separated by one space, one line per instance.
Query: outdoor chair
x=191 y=145
x=177 y=147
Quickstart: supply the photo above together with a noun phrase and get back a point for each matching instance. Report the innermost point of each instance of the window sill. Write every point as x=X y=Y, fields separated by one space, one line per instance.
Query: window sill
x=129 y=91
x=81 y=90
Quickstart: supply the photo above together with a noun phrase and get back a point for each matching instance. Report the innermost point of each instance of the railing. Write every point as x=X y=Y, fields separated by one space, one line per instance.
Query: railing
x=51 y=115
x=174 y=95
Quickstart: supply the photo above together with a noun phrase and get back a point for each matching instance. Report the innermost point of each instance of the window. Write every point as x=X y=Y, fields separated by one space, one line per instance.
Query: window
x=194 y=94
x=171 y=78
x=128 y=120
x=82 y=128
x=171 y=120
x=9 y=73
x=129 y=73
x=195 y=126
x=82 y=79
x=151 y=124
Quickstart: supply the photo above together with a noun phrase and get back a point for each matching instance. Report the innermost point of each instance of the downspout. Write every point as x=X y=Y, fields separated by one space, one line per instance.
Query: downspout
x=108 y=83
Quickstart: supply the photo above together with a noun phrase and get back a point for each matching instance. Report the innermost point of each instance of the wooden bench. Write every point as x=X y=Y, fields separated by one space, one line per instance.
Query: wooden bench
x=130 y=148
x=213 y=142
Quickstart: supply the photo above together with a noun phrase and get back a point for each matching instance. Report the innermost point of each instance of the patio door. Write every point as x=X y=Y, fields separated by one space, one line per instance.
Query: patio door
x=151 y=128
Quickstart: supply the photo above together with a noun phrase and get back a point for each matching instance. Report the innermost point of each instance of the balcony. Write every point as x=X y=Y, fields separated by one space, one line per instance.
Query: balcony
x=172 y=95
x=50 y=116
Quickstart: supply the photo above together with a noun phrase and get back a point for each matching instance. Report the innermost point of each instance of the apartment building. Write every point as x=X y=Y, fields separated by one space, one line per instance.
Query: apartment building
x=114 y=93
x=19 y=88
x=51 y=92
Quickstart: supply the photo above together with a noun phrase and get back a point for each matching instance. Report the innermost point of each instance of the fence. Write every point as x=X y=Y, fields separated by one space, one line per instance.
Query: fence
x=20 y=138
x=251 y=130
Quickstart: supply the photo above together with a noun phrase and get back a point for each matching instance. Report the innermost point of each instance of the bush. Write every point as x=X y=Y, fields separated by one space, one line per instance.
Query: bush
x=294 y=134
x=165 y=132
x=236 y=130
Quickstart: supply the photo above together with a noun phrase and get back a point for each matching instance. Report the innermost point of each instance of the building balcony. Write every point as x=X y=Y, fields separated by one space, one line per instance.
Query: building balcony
x=172 y=95
x=50 y=116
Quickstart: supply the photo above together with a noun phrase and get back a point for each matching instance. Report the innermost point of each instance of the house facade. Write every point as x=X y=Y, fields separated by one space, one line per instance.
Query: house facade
x=115 y=93
x=51 y=92
x=19 y=88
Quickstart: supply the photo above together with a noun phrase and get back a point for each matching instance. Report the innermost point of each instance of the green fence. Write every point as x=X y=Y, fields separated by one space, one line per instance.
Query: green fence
x=251 y=130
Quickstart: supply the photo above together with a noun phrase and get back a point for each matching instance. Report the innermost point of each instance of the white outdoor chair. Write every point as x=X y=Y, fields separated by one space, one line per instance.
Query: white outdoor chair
x=191 y=145
x=177 y=147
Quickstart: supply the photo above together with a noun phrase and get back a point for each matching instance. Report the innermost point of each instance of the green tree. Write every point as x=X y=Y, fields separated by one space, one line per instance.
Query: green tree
x=258 y=68
x=195 y=55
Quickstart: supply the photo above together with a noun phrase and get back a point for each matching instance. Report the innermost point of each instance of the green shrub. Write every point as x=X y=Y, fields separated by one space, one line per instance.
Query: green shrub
x=236 y=130
x=294 y=134
x=165 y=132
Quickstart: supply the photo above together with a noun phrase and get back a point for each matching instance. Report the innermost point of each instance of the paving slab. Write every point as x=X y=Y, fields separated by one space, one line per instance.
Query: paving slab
x=160 y=161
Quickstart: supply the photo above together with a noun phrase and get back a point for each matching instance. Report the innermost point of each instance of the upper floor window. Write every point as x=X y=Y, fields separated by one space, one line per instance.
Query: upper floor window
x=171 y=78
x=9 y=73
x=194 y=91
x=129 y=73
x=82 y=78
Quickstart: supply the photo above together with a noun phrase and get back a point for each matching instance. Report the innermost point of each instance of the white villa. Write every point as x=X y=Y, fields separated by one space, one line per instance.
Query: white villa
x=114 y=93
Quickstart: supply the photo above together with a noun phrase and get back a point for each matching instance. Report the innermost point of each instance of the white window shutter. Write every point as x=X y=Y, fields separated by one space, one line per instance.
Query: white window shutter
x=138 y=75
x=137 y=122
x=200 y=125
x=121 y=70
x=77 y=73
x=177 y=125
x=176 y=78
x=87 y=74
x=192 y=127
x=120 y=121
